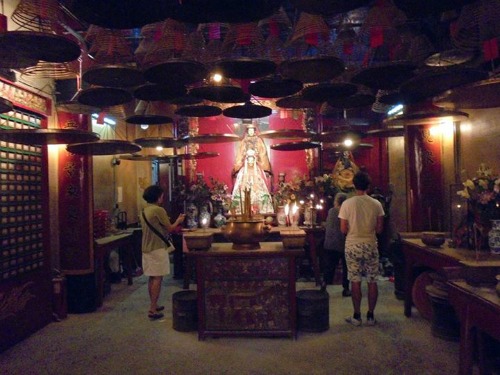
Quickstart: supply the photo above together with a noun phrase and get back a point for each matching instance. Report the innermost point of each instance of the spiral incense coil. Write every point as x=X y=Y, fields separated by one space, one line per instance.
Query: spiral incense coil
x=38 y=15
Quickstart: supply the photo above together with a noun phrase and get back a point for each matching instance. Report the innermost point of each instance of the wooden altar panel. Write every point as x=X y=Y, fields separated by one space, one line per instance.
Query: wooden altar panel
x=246 y=293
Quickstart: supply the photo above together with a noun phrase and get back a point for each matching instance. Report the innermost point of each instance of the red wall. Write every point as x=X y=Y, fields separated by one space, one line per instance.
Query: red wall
x=293 y=163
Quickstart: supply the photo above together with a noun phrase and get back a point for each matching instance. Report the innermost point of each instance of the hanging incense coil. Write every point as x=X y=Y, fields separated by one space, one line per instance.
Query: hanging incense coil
x=479 y=95
x=149 y=158
x=44 y=40
x=338 y=136
x=9 y=59
x=73 y=106
x=275 y=87
x=382 y=20
x=286 y=134
x=111 y=47
x=199 y=111
x=309 y=29
x=322 y=92
x=164 y=64
x=428 y=116
x=195 y=43
x=344 y=147
x=449 y=57
x=220 y=93
x=295 y=102
x=199 y=155
x=214 y=35
x=113 y=64
x=397 y=131
x=33 y=46
x=477 y=22
x=103 y=97
x=38 y=15
x=164 y=142
x=312 y=69
x=50 y=70
x=247 y=110
x=40 y=137
x=352 y=101
x=185 y=100
x=386 y=76
x=242 y=50
x=153 y=113
x=431 y=83
x=278 y=23
x=104 y=147
x=295 y=146
x=154 y=92
x=170 y=41
x=211 y=138
x=110 y=75
x=147 y=39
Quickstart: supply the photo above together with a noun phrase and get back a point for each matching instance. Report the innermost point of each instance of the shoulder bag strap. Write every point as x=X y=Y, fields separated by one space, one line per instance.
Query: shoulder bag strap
x=155 y=231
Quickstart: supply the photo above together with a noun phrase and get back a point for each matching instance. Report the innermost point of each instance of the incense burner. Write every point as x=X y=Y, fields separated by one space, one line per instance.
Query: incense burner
x=245 y=233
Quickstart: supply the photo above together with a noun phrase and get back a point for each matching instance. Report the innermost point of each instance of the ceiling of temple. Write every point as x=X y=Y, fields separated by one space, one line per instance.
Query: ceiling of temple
x=340 y=57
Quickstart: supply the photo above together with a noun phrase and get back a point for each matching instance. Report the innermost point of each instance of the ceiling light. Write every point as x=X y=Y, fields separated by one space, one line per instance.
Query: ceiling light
x=107 y=121
x=217 y=77
x=348 y=142
x=144 y=126
x=394 y=110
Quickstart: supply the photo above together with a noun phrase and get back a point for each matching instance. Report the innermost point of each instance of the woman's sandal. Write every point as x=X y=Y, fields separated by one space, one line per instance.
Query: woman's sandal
x=155 y=315
x=160 y=308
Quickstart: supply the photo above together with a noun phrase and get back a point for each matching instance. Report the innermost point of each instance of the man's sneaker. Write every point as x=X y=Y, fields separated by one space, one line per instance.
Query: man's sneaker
x=371 y=321
x=353 y=321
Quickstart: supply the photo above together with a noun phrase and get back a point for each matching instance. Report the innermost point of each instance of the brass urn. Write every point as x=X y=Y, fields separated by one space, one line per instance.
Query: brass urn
x=245 y=231
x=245 y=234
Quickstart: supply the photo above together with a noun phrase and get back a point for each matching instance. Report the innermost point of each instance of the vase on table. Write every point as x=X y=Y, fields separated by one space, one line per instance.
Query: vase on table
x=281 y=216
x=219 y=219
x=494 y=237
x=191 y=216
x=204 y=217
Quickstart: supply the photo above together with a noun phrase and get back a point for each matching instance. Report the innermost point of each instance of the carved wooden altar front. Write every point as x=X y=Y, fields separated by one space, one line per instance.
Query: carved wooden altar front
x=246 y=293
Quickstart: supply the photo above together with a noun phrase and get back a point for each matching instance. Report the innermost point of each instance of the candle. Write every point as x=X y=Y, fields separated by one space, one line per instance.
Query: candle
x=287 y=218
x=294 y=211
x=241 y=203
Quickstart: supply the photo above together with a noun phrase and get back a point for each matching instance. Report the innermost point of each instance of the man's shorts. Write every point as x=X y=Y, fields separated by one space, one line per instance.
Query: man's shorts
x=362 y=260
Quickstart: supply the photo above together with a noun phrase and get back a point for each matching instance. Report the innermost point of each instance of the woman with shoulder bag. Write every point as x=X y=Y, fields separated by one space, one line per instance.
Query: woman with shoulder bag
x=155 y=224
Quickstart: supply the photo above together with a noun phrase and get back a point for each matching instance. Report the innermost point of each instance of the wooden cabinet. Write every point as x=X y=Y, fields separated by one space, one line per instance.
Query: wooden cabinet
x=246 y=293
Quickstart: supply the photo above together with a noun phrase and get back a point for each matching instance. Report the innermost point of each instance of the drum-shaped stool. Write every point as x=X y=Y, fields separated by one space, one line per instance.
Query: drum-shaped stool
x=313 y=311
x=185 y=311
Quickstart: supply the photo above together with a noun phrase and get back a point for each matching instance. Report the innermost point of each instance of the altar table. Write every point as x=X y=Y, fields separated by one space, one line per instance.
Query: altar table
x=478 y=309
x=102 y=247
x=417 y=254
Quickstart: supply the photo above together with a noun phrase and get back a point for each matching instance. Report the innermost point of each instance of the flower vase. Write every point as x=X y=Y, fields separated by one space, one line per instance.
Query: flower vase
x=191 y=216
x=280 y=216
x=494 y=237
x=310 y=216
x=480 y=229
x=204 y=217
x=219 y=219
